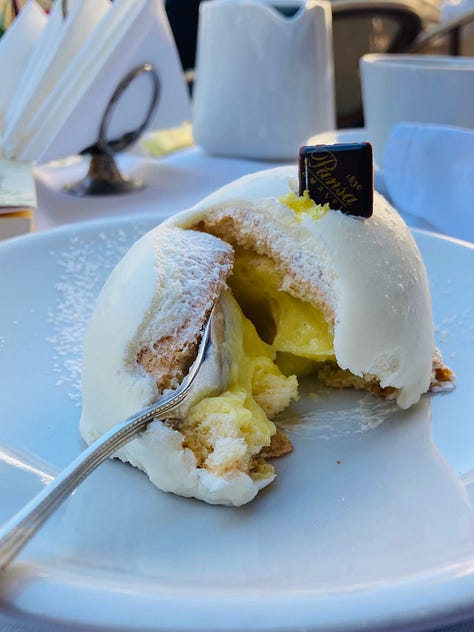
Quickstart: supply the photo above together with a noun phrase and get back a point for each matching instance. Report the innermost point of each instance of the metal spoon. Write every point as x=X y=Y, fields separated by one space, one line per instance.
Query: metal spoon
x=206 y=374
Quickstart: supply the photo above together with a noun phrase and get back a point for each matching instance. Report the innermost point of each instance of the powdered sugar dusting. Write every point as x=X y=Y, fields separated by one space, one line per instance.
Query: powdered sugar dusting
x=454 y=325
x=85 y=263
x=450 y=327
x=367 y=413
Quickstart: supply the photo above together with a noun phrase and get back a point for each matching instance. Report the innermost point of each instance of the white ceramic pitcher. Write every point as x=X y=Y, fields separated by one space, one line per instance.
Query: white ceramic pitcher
x=264 y=79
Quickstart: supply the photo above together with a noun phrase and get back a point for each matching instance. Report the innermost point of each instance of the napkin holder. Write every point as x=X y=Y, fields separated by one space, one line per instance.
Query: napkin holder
x=103 y=176
x=73 y=65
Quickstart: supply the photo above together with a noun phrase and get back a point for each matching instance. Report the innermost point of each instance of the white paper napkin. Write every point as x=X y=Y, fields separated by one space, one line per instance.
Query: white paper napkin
x=429 y=174
x=16 y=47
x=61 y=41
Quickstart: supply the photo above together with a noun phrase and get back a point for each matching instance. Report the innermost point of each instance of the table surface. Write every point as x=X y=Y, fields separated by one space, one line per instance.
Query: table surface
x=172 y=184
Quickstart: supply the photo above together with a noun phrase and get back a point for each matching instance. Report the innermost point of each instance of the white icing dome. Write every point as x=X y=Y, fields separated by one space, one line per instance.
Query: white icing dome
x=367 y=276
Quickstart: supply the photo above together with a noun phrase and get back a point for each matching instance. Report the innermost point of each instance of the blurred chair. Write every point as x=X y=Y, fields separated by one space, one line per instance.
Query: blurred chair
x=367 y=26
x=183 y=16
x=453 y=37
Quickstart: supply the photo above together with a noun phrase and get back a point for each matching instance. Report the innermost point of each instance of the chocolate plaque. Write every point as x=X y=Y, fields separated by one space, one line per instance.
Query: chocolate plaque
x=341 y=175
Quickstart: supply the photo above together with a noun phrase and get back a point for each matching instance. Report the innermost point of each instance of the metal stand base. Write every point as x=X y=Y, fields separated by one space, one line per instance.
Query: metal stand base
x=103 y=178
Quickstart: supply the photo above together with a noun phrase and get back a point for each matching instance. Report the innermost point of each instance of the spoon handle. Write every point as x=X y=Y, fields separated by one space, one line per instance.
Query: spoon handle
x=15 y=533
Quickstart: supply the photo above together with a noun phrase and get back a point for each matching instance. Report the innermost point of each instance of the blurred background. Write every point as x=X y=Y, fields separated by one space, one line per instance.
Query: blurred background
x=9 y=9
x=359 y=27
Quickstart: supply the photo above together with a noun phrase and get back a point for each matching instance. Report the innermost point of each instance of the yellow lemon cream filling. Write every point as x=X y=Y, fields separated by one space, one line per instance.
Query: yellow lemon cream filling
x=297 y=331
x=303 y=205
x=272 y=338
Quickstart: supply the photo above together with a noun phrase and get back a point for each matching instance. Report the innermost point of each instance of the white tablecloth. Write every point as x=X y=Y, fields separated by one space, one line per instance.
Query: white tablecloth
x=173 y=183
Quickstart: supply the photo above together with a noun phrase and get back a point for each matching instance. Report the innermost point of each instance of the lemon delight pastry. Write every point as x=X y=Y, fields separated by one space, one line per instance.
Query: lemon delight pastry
x=300 y=290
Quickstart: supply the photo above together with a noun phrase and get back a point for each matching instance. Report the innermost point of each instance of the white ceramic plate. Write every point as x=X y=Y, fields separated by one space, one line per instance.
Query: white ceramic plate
x=368 y=526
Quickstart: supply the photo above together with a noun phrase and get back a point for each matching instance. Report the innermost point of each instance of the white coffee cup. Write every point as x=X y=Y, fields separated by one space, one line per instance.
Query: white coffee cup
x=264 y=79
x=414 y=88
